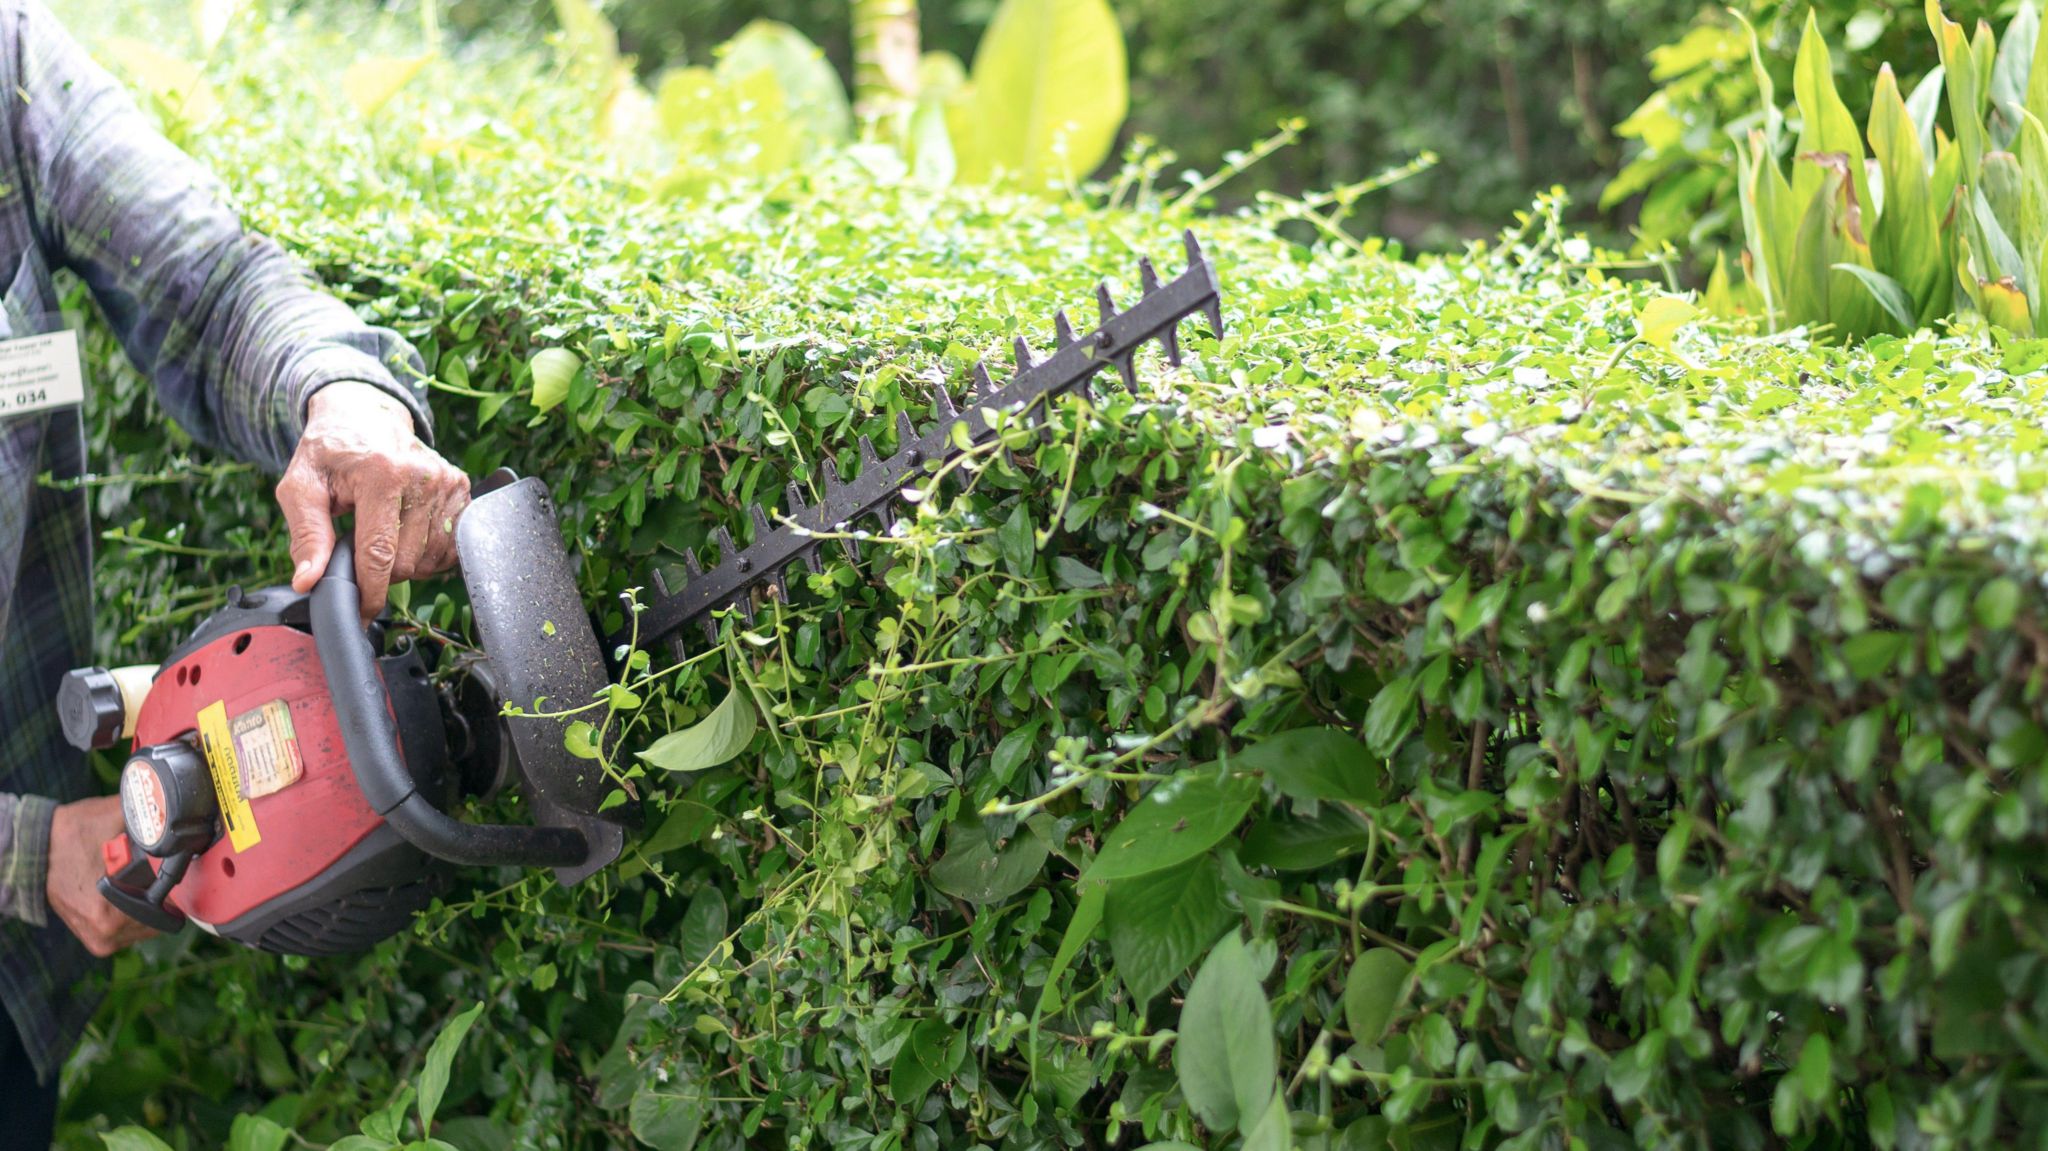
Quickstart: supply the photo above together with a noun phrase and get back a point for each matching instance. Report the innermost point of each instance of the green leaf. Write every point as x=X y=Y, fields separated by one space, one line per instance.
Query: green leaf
x=434 y=1073
x=704 y=924
x=1225 y=1056
x=1050 y=92
x=1272 y=1131
x=1391 y=715
x=667 y=1116
x=1815 y=1072
x=1176 y=821
x=553 y=370
x=910 y=1076
x=372 y=81
x=1080 y=929
x=132 y=1139
x=812 y=96
x=1825 y=124
x=1074 y=574
x=1012 y=750
x=1907 y=240
x=1998 y=602
x=1017 y=539
x=712 y=741
x=1372 y=991
x=1304 y=843
x=977 y=871
x=1161 y=922
x=1316 y=763
x=1887 y=292
x=1872 y=653
x=1660 y=319
x=256 y=1133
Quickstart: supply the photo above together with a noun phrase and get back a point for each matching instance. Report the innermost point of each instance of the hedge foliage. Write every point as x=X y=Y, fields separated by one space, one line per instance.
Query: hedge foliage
x=1469 y=705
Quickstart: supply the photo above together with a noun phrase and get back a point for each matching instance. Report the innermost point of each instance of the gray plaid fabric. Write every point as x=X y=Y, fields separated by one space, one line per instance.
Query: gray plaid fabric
x=235 y=336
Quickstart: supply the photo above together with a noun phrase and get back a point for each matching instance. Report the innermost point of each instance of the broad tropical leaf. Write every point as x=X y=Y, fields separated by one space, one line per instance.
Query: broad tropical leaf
x=1051 y=89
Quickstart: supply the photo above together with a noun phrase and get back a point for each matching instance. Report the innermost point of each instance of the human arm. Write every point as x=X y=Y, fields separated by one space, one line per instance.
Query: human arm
x=50 y=862
x=242 y=346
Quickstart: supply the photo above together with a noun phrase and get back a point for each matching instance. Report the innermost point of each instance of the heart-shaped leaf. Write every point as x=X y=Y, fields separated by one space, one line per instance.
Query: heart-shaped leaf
x=1161 y=922
x=716 y=739
x=1177 y=820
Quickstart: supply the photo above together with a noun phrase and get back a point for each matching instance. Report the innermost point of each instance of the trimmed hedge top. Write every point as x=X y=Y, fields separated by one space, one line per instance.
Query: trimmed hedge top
x=1467 y=704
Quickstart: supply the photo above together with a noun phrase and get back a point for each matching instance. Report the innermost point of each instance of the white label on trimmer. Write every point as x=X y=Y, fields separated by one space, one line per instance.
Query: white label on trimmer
x=39 y=372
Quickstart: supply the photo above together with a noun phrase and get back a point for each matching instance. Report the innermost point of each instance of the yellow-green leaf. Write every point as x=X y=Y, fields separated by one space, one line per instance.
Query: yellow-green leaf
x=2005 y=304
x=1660 y=319
x=588 y=39
x=1051 y=89
x=1965 y=85
x=1887 y=293
x=372 y=81
x=210 y=21
x=714 y=740
x=1826 y=126
x=1906 y=243
x=176 y=85
x=812 y=95
x=553 y=369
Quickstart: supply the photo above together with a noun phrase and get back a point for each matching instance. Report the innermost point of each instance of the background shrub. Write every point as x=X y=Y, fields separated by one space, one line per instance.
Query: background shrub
x=1575 y=723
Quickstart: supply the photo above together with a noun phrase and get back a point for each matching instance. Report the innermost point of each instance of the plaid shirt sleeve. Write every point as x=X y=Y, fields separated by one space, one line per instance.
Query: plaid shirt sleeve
x=25 y=857
x=234 y=333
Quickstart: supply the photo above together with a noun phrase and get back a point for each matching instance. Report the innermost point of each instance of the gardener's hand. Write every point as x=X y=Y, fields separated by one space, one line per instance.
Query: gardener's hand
x=359 y=454
x=76 y=832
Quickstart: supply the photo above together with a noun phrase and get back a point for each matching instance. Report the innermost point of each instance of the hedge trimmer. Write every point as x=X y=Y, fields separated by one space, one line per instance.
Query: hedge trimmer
x=876 y=491
x=291 y=771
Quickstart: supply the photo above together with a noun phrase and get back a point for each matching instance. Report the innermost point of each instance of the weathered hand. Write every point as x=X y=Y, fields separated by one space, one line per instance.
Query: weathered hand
x=359 y=454
x=76 y=832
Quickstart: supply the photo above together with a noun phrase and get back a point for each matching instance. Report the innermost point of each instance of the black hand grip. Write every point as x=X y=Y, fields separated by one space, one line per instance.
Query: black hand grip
x=146 y=906
x=370 y=735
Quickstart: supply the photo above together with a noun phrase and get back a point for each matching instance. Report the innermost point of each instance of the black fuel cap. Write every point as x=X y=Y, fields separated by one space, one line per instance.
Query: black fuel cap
x=89 y=705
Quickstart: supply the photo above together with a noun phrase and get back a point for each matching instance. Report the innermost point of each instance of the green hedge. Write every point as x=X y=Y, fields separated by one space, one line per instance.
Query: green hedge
x=1566 y=739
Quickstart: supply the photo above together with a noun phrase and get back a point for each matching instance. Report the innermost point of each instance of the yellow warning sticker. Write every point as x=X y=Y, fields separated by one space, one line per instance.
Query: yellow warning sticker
x=218 y=742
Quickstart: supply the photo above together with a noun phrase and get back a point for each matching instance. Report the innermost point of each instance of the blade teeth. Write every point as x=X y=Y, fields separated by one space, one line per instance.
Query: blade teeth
x=746 y=605
x=1148 y=276
x=1127 y=367
x=906 y=432
x=728 y=553
x=832 y=480
x=692 y=564
x=851 y=547
x=710 y=629
x=661 y=587
x=1025 y=361
x=869 y=457
x=1213 y=312
x=1104 y=303
x=944 y=399
x=1063 y=327
x=812 y=560
x=1171 y=339
x=781 y=581
x=761 y=525
x=984 y=387
x=1194 y=247
x=794 y=497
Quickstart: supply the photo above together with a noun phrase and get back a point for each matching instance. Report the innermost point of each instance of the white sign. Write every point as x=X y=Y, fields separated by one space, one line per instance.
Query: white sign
x=39 y=372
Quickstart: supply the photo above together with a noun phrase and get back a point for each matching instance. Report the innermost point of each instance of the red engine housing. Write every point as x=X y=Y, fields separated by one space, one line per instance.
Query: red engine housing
x=317 y=870
x=302 y=830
